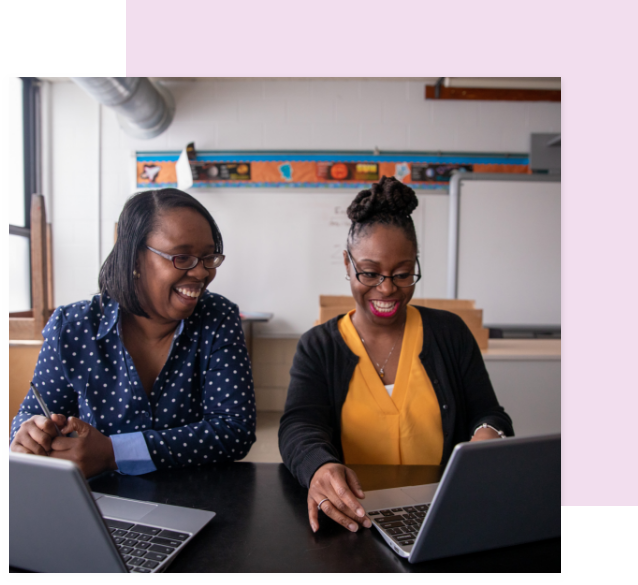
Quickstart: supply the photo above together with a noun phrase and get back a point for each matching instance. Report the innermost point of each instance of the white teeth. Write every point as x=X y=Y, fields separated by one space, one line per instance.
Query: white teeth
x=187 y=292
x=384 y=306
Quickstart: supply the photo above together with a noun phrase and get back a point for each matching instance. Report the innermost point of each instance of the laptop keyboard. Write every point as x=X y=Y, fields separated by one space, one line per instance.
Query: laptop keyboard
x=401 y=524
x=144 y=548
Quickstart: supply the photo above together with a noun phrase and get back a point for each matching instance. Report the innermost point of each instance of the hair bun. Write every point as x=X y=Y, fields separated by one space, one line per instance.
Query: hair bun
x=387 y=197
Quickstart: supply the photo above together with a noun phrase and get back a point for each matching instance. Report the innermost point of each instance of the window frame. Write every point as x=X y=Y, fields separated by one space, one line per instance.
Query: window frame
x=32 y=157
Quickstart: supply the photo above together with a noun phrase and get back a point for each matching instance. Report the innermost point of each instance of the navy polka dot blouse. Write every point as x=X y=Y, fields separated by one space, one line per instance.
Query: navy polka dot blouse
x=202 y=405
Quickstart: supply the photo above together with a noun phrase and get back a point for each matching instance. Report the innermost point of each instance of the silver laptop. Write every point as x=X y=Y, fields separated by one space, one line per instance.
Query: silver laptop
x=56 y=524
x=492 y=494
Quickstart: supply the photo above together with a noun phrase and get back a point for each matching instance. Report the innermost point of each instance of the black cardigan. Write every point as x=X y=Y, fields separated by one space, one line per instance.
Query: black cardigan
x=310 y=428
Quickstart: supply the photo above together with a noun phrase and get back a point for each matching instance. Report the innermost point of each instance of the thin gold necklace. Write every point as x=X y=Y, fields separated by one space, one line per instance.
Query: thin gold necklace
x=381 y=369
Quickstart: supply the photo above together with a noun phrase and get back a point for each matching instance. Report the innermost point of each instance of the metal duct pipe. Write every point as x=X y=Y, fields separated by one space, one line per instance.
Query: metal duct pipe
x=144 y=109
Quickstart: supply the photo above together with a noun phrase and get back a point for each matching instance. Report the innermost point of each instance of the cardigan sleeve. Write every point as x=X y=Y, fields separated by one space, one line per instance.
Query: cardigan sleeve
x=306 y=430
x=480 y=399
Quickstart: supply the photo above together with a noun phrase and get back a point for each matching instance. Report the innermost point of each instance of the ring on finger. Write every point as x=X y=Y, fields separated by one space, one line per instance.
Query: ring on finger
x=322 y=501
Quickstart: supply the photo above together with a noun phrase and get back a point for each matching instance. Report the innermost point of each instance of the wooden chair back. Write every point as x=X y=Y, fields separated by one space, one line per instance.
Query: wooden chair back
x=23 y=356
x=29 y=324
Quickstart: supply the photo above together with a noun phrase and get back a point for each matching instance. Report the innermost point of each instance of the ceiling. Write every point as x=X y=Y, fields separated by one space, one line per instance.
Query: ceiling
x=488 y=82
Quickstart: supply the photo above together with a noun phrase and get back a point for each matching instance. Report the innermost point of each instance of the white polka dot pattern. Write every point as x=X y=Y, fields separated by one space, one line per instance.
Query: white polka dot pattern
x=202 y=405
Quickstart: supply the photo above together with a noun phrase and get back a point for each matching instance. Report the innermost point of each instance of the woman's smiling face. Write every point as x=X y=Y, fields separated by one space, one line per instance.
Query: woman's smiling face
x=166 y=293
x=385 y=250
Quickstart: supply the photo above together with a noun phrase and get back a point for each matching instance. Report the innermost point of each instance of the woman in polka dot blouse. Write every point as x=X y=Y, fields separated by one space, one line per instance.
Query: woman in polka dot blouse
x=152 y=373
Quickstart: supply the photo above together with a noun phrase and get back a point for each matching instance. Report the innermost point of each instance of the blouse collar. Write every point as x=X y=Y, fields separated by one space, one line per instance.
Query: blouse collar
x=111 y=316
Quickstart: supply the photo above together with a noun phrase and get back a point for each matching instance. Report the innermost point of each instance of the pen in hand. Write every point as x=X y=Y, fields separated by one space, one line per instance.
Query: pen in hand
x=46 y=412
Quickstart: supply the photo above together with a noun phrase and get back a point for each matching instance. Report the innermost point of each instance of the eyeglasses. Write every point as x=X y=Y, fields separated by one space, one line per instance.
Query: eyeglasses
x=371 y=279
x=188 y=262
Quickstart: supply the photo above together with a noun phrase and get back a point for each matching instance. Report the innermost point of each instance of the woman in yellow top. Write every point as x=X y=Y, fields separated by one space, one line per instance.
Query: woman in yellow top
x=388 y=383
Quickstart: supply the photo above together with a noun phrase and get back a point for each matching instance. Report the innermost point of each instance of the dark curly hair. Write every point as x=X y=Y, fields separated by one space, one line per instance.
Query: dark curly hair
x=388 y=202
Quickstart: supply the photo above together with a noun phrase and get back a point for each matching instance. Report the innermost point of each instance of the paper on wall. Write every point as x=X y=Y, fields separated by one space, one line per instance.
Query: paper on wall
x=183 y=169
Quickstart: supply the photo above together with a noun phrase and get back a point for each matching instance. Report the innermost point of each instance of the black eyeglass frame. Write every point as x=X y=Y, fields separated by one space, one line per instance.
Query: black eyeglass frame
x=383 y=276
x=220 y=257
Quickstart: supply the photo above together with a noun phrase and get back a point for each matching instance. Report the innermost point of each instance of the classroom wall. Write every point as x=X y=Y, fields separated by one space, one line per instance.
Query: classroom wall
x=93 y=170
x=92 y=161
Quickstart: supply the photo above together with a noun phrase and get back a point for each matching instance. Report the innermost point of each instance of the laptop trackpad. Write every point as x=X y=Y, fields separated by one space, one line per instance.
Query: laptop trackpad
x=125 y=509
x=421 y=493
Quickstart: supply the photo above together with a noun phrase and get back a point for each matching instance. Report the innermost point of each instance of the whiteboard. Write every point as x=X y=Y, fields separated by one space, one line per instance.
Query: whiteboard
x=509 y=251
x=283 y=249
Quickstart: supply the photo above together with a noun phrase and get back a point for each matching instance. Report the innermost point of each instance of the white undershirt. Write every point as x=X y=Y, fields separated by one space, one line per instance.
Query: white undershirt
x=389 y=388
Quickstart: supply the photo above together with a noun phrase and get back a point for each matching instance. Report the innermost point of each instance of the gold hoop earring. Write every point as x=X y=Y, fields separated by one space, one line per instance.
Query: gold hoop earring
x=136 y=274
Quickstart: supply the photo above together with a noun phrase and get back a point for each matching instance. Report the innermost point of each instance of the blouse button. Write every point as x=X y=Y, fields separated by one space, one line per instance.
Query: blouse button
x=445 y=407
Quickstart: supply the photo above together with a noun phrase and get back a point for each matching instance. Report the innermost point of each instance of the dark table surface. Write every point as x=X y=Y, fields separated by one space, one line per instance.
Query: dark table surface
x=262 y=523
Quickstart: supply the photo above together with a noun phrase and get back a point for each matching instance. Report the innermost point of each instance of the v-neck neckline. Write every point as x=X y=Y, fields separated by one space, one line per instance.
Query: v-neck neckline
x=386 y=403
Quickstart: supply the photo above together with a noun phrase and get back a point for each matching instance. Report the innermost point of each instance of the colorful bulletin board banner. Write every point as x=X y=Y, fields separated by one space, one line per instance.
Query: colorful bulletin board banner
x=321 y=169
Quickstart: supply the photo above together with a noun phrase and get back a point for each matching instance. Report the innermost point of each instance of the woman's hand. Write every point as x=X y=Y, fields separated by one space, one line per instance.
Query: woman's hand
x=91 y=451
x=35 y=434
x=341 y=486
x=484 y=434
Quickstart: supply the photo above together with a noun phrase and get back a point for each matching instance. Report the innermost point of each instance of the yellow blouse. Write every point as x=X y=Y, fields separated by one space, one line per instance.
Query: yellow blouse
x=402 y=429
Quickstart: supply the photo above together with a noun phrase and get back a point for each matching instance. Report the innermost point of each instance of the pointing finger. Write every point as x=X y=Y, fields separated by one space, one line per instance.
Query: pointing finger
x=313 y=514
x=353 y=482
x=342 y=490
